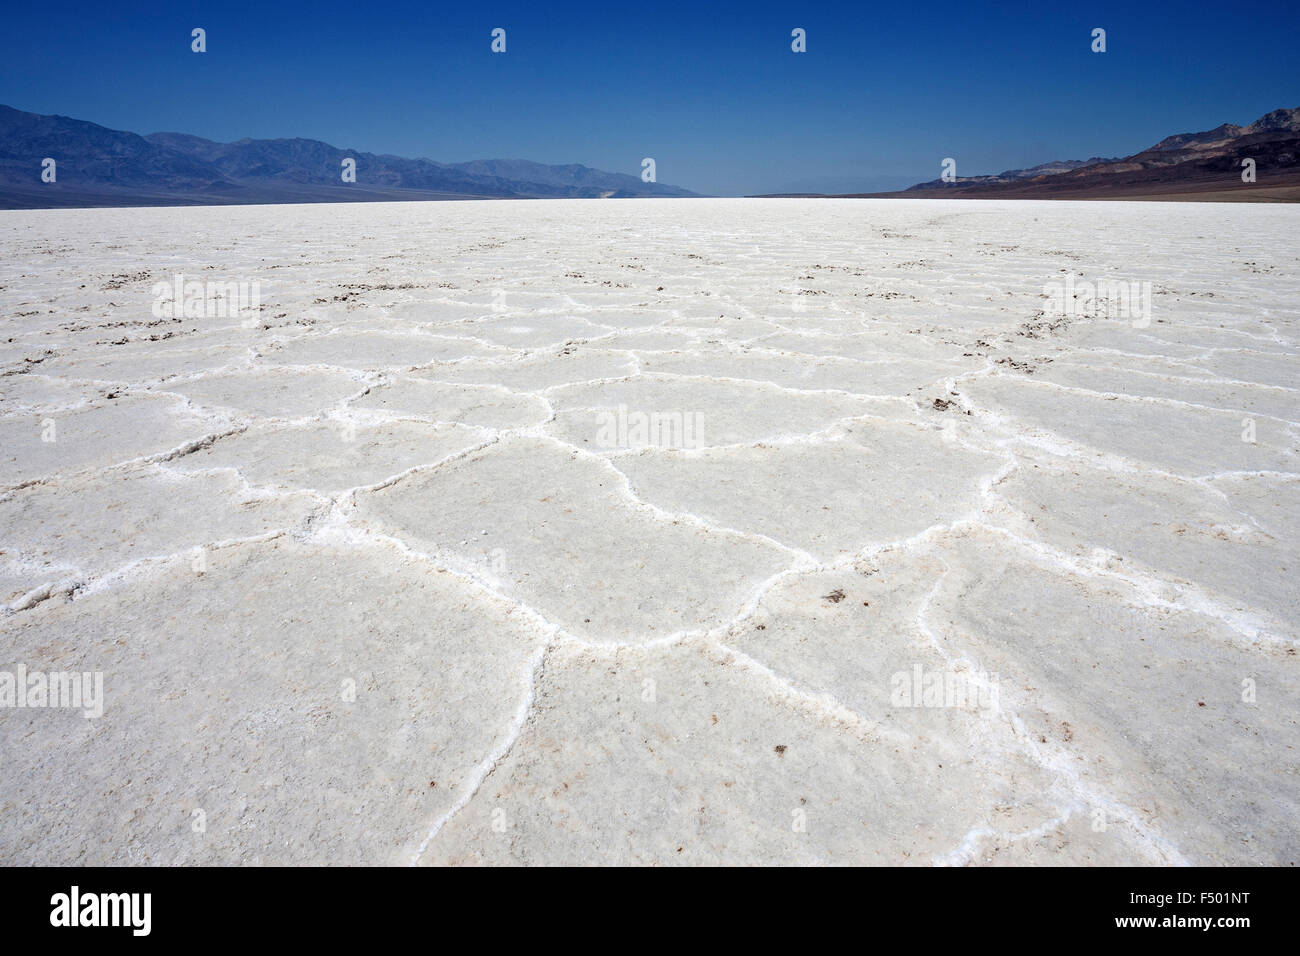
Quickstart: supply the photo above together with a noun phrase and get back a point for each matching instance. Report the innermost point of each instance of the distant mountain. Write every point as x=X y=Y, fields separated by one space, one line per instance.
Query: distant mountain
x=1012 y=175
x=97 y=166
x=1181 y=166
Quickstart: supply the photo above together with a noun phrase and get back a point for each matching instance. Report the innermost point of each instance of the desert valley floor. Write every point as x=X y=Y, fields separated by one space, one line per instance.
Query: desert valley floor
x=391 y=569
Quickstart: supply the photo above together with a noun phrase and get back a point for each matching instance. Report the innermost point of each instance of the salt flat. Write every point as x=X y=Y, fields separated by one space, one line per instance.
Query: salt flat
x=653 y=532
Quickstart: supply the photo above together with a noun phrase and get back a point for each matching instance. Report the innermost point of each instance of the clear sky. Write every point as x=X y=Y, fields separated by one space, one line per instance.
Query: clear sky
x=713 y=92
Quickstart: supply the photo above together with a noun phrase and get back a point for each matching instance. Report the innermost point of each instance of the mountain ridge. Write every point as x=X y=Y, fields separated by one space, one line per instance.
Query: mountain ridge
x=1015 y=175
x=1202 y=166
x=99 y=166
x=1197 y=162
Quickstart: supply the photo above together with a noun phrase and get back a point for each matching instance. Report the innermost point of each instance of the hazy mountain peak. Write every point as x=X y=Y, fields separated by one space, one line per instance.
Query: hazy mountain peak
x=101 y=166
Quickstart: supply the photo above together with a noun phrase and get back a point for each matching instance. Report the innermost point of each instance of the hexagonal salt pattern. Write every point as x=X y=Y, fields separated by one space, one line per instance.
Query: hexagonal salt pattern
x=651 y=532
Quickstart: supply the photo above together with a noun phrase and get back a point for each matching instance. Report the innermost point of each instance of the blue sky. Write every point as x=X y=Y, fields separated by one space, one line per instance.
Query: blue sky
x=711 y=91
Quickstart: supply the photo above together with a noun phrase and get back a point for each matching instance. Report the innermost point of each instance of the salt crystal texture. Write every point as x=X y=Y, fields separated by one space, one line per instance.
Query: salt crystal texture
x=601 y=532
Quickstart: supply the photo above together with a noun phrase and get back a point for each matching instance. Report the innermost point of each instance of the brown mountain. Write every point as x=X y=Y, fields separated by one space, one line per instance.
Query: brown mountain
x=1186 y=166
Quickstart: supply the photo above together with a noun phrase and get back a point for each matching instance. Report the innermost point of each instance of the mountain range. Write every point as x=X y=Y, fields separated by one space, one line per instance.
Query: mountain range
x=1013 y=175
x=97 y=166
x=1185 y=166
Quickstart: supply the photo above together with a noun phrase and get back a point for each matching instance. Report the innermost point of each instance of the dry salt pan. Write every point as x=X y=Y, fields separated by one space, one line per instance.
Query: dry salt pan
x=711 y=531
